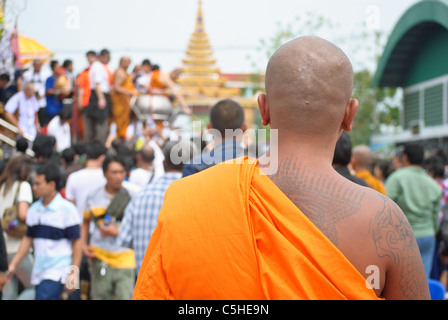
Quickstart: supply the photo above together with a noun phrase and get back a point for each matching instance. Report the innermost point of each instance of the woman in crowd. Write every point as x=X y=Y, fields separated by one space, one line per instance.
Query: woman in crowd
x=15 y=181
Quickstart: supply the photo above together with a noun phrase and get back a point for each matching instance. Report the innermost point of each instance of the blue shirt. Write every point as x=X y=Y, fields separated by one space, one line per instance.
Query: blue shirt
x=140 y=216
x=227 y=150
x=54 y=106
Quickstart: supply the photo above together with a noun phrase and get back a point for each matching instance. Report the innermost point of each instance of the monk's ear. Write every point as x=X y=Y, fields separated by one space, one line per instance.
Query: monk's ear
x=244 y=127
x=350 y=111
x=263 y=105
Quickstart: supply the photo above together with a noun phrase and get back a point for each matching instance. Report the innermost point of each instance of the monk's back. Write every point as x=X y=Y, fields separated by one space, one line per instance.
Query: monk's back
x=367 y=227
x=230 y=233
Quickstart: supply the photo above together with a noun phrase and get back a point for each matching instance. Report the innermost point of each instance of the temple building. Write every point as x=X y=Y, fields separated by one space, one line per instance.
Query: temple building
x=201 y=80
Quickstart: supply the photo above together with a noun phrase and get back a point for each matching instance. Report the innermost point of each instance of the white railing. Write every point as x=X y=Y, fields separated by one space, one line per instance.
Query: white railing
x=12 y=142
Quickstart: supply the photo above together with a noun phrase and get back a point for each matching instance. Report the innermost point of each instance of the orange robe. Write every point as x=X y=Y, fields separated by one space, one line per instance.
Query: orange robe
x=229 y=232
x=374 y=182
x=121 y=107
x=155 y=82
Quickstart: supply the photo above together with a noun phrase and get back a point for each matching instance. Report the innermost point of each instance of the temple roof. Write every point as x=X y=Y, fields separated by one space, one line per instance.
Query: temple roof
x=410 y=34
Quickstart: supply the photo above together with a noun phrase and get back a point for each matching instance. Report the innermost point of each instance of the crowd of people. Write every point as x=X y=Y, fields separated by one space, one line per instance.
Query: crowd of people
x=103 y=208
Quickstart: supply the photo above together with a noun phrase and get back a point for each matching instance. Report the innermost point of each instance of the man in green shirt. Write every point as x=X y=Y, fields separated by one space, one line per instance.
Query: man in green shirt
x=418 y=195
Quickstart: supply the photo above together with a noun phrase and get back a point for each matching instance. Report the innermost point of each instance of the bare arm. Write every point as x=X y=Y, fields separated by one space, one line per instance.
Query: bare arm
x=119 y=78
x=170 y=84
x=394 y=241
x=84 y=237
x=22 y=207
x=24 y=248
x=12 y=119
x=77 y=252
x=100 y=95
x=37 y=123
x=19 y=84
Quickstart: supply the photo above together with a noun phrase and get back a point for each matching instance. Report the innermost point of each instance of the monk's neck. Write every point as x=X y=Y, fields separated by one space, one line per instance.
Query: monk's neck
x=313 y=155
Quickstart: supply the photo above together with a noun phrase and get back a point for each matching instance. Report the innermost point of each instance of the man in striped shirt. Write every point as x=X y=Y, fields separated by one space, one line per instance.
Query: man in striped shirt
x=140 y=216
x=54 y=233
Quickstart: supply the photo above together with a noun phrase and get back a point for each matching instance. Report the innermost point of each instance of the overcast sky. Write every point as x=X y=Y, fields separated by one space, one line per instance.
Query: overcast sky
x=160 y=30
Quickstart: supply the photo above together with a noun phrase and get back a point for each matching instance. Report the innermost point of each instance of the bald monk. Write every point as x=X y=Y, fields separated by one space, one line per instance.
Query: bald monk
x=360 y=162
x=301 y=232
x=120 y=97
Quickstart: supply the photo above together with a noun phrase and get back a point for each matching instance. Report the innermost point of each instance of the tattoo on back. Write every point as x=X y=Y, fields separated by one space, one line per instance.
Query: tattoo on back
x=393 y=239
x=323 y=199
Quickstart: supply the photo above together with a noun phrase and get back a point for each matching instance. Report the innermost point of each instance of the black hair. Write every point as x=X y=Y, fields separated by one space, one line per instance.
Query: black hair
x=52 y=172
x=68 y=155
x=66 y=113
x=66 y=63
x=435 y=166
x=146 y=61
x=95 y=149
x=227 y=114
x=109 y=159
x=343 y=150
x=53 y=63
x=21 y=145
x=5 y=77
x=43 y=146
x=91 y=53
x=79 y=148
x=415 y=153
x=104 y=51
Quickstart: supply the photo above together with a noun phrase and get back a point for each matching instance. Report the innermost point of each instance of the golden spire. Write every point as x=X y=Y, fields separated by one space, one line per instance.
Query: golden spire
x=199 y=75
x=199 y=19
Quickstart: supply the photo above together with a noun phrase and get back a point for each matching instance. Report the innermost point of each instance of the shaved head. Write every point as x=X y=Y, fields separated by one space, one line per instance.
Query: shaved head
x=309 y=82
x=125 y=62
x=363 y=156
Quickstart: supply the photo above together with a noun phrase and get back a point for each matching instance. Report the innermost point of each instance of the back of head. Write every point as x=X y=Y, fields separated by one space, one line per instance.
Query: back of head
x=178 y=153
x=65 y=114
x=147 y=154
x=226 y=114
x=21 y=145
x=414 y=153
x=94 y=150
x=5 y=77
x=309 y=82
x=343 y=150
x=68 y=155
x=43 y=146
x=363 y=156
x=435 y=166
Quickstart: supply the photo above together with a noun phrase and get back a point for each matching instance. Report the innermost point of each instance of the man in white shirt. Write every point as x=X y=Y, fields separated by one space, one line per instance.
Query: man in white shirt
x=83 y=181
x=144 y=173
x=59 y=127
x=143 y=77
x=96 y=114
x=26 y=104
x=38 y=76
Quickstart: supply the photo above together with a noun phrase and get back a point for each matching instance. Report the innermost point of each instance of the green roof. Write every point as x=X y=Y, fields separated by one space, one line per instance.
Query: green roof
x=418 y=23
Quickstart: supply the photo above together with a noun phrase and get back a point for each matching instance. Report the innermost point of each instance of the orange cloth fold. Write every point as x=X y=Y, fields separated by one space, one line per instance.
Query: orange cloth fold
x=230 y=233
